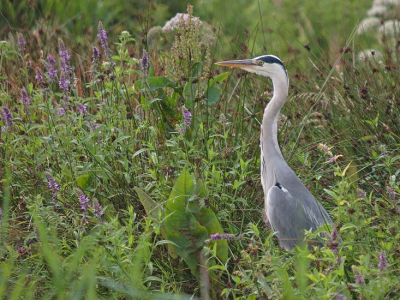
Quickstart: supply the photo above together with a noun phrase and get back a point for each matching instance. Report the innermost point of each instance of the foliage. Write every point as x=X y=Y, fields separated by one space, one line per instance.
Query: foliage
x=120 y=180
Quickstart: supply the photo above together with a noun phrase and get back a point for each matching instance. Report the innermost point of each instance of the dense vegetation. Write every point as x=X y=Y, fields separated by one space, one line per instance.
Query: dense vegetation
x=129 y=164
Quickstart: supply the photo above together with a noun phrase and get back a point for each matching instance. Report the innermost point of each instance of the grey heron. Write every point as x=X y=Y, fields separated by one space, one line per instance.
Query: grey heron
x=290 y=207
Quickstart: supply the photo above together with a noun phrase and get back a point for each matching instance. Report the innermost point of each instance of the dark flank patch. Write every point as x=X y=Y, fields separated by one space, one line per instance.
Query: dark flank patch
x=272 y=60
x=278 y=185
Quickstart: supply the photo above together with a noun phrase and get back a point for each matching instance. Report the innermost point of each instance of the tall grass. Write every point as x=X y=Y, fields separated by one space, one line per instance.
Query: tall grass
x=87 y=171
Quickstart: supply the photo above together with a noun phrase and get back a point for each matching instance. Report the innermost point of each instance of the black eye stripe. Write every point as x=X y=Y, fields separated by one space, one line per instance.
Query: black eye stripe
x=272 y=60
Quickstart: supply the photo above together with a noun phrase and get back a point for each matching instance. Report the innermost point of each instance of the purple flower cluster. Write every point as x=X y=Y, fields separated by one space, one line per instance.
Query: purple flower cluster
x=64 y=83
x=7 y=118
x=334 y=158
x=40 y=79
x=359 y=278
x=391 y=192
x=53 y=185
x=187 y=116
x=144 y=64
x=225 y=236
x=97 y=209
x=102 y=35
x=95 y=64
x=85 y=205
x=333 y=241
x=64 y=58
x=25 y=97
x=84 y=201
x=267 y=223
x=95 y=55
x=60 y=111
x=51 y=63
x=66 y=72
x=361 y=194
x=82 y=109
x=341 y=297
x=21 y=43
x=1 y=212
x=383 y=264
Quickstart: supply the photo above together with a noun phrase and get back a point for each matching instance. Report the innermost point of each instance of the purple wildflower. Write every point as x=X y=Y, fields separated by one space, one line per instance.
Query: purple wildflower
x=25 y=97
x=40 y=79
x=334 y=158
x=20 y=250
x=333 y=241
x=21 y=43
x=83 y=200
x=60 y=111
x=66 y=72
x=51 y=62
x=361 y=193
x=102 y=35
x=94 y=127
x=217 y=236
x=64 y=83
x=341 y=297
x=97 y=209
x=82 y=109
x=1 y=212
x=144 y=63
x=95 y=55
x=383 y=264
x=7 y=118
x=187 y=116
x=267 y=223
x=64 y=58
x=359 y=278
x=391 y=192
x=53 y=185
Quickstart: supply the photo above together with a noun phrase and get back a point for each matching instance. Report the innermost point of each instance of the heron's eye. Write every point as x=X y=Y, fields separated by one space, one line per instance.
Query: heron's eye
x=260 y=62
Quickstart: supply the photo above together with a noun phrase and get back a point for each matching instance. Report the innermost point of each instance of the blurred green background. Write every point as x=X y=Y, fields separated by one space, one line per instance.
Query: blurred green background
x=265 y=26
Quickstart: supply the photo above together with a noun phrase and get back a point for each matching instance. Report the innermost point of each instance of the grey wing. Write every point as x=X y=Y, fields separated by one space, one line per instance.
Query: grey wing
x=290 y=215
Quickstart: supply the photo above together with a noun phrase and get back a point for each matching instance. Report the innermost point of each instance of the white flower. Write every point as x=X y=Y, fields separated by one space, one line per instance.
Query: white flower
x=172 y=24
x=378 y=10
x=367 y=24
x=385 y=2
x=370 y=54
x=391 y=27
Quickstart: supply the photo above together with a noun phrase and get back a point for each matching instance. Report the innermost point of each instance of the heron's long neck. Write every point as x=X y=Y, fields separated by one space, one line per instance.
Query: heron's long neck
x=269 y=127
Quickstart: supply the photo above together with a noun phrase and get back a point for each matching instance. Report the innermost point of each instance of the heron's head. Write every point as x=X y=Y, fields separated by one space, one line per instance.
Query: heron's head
x=266 y=65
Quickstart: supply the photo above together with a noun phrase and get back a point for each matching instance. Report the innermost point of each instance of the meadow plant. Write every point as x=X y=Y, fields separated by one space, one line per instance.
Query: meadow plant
x=53 y=186
x=7 y=118
x=21 y=43
x=50 y=68
x=25 y=99
x=102 y=198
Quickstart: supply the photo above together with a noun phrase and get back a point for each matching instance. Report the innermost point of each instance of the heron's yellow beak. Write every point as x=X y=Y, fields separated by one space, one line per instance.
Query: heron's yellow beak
x=244 y=64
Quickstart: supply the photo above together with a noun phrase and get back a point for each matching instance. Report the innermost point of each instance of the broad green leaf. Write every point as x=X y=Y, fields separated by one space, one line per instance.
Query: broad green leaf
x=155 y=210
x=221 y=77
x=84 y=180
x=181 y=226
x=155 y=83
x=213 y=93
x=188 y=94
x=210 y=221
x=150 y=206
